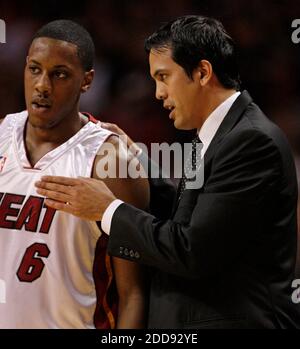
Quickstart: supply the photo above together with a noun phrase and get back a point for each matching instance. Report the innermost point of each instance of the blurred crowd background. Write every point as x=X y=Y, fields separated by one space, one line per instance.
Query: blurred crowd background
x=123 y=92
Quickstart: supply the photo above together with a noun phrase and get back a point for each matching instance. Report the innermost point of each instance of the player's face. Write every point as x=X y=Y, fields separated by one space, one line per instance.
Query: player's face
x=180 y=94
x=54 y=80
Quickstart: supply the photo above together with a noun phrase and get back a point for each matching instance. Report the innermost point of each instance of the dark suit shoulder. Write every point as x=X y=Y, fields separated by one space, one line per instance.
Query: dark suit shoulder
x=254 y=124
x=257 y=140
x=258 y=121
x=248 y=136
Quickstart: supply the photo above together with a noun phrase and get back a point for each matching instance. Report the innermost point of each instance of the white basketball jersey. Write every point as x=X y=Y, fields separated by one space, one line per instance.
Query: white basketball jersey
x=47 y=258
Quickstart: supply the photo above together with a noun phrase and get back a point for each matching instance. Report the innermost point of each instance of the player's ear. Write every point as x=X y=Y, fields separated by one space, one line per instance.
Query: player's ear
x=87 y=81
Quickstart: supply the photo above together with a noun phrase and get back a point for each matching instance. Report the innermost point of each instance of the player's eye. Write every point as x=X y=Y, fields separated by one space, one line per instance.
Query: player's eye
x=59 y=74
x=34 y=70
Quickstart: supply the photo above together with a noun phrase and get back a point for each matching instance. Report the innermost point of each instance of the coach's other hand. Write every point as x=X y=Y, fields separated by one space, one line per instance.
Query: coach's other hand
x=86 y=198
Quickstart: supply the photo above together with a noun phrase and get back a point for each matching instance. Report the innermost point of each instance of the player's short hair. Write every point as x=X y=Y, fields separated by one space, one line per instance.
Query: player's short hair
x=193 y=38
x=69 y=31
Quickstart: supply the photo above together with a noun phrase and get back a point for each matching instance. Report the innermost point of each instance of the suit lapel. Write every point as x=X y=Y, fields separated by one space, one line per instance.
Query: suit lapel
x=230 y=120
x=232 y=117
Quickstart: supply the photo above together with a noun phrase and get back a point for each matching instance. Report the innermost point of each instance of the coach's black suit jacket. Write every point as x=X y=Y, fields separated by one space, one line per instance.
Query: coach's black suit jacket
x=225 y=257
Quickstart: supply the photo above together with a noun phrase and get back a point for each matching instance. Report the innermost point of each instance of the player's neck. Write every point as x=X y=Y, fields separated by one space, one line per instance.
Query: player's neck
x=58 y=134
x=39 y=142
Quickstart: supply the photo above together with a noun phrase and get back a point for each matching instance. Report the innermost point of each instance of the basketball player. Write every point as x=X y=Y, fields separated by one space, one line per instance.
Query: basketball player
x=54 y=267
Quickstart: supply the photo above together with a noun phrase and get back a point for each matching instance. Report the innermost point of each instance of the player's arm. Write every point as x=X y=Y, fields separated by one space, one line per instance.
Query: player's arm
x=130 y=277
x=1 y=121
x=133 y=293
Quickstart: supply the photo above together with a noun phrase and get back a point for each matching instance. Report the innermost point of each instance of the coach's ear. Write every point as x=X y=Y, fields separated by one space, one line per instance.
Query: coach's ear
x=203 y=73
x=87 y=81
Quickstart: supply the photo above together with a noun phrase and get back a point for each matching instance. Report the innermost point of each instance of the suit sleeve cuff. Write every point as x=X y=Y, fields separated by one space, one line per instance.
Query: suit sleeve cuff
x=108 y=215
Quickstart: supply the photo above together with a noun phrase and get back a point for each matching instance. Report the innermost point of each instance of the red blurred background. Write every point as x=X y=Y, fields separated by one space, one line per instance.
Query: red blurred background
x=123 y=92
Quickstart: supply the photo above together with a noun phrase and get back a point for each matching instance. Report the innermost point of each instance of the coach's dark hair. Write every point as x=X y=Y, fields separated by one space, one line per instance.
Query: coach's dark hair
x=74 y=33
x=193 y=38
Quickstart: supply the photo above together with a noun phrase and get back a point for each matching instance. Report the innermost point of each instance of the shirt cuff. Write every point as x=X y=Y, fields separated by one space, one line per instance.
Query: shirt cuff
x=108 y=215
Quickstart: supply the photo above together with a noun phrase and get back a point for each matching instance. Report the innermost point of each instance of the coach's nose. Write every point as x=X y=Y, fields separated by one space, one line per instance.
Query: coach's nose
x=161 y=92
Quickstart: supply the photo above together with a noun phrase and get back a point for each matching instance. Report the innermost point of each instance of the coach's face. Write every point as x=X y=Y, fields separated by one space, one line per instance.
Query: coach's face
x=180 y=94
x=54 y=80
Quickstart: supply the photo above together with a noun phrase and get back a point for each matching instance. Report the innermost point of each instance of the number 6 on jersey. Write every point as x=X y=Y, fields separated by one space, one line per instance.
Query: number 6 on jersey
x=32 y=264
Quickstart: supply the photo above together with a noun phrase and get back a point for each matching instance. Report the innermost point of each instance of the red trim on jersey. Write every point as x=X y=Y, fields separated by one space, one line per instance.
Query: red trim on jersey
x=91 y=118
x=31 y=168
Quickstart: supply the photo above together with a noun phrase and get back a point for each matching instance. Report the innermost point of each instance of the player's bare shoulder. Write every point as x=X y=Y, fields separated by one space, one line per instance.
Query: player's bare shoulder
x=113 y=159
x=1 y=120
x=106 y=161
x=121 y=171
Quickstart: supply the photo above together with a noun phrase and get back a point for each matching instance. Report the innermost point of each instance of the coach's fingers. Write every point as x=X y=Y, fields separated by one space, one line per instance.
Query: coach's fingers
x=57 y=196
x=54 y=187
x=60 y=180
x=113 y=128
x=60 y=206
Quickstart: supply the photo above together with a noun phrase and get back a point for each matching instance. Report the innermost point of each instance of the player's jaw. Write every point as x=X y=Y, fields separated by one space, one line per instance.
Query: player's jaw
x=45 y=113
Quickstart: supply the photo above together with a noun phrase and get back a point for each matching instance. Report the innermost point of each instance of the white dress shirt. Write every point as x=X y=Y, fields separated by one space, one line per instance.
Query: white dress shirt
x=206 y=134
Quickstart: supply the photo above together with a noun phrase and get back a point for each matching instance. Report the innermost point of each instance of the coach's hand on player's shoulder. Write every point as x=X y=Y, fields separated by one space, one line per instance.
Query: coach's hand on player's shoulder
x=86 y=198
x=117 y=130
x=114 y=128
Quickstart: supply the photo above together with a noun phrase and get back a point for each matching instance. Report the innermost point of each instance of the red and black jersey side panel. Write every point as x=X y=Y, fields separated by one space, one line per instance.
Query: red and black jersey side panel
x=107 y=297
x=105 y=316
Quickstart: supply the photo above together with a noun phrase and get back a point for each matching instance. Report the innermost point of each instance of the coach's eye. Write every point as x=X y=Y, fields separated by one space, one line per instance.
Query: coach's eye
x=163 y=77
